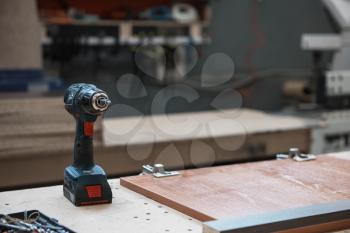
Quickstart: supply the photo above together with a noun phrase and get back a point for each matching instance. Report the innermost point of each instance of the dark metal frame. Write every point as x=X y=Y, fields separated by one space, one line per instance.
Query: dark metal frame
x=283 y=220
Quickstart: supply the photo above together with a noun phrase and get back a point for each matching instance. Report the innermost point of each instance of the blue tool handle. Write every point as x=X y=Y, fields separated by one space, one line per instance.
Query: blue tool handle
x=83 y=147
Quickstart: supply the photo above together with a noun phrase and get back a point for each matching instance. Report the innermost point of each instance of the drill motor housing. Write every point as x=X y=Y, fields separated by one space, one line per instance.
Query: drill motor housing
x=85 y=183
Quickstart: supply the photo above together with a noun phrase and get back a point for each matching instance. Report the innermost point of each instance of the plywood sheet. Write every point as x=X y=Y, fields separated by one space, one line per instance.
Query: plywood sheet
x=198 y=125
x=128 y=213
x=37 y=126
x=250 y=188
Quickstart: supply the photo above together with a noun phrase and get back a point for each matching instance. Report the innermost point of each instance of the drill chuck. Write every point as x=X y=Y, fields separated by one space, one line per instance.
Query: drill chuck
x=100 y=101
x=86 y=99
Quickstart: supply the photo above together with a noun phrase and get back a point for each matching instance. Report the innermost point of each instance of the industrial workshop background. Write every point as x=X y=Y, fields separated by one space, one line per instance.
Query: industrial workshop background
x=269 y=59
x=153 y=116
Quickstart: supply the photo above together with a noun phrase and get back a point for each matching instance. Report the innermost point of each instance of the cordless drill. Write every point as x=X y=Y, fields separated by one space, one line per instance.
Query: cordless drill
x=85 y=183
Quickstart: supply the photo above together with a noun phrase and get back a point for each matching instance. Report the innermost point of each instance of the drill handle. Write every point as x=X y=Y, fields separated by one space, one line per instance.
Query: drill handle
x=83 y=146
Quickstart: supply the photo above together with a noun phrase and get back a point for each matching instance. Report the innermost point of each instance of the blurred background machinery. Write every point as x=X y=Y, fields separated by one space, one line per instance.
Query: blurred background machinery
x=194 y=58
x=330 y=85
x=331 y=79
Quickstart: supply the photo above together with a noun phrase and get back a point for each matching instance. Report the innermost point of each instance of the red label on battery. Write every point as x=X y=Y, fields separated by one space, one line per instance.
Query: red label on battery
x=94 y=191
x=88 y=128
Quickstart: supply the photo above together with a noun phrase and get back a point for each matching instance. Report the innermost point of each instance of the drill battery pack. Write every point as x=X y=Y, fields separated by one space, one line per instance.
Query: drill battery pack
x=86 y=187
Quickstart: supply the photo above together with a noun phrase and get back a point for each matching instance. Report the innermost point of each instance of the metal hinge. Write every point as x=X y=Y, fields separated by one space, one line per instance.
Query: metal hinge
x=157 y=170
x=295 y=154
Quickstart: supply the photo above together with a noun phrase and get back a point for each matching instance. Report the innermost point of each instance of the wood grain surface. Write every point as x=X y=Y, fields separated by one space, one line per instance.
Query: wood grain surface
x=250 y=188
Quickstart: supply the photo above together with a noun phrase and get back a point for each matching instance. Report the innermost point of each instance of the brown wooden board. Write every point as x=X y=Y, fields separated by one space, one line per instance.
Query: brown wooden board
x=251 y=188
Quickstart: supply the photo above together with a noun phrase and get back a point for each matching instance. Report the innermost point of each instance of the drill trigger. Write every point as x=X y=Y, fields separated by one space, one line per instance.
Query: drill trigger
x=88 y=128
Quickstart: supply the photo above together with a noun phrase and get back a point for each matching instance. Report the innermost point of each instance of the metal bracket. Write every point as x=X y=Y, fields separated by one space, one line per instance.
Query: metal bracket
x=158 y=171
x=295 y=154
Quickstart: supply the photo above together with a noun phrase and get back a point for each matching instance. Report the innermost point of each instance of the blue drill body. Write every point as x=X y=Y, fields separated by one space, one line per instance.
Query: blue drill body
x=84 y=182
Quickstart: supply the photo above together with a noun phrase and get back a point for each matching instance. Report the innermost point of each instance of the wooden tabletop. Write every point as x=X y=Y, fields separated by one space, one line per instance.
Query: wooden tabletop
x=129 y=212
x=251 y=188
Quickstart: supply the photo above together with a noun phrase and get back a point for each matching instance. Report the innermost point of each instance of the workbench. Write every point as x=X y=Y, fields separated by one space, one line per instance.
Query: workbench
x=133 y=212
x=129 y=211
